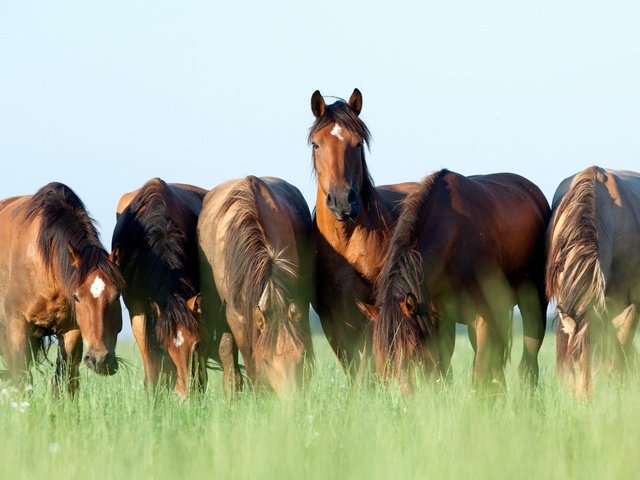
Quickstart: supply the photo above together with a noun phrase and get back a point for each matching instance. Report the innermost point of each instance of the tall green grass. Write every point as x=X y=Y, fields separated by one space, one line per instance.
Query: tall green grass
x=114 y=429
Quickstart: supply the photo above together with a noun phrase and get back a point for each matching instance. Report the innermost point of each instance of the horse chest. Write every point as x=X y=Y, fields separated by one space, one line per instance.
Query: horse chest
x=52 y=313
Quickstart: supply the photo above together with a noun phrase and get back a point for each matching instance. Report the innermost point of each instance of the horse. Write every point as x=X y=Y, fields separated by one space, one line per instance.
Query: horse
x=154 y=243
x=593 y=272
x=256 y=281
x=56 y=279
x=352 y=225
x=465 y=249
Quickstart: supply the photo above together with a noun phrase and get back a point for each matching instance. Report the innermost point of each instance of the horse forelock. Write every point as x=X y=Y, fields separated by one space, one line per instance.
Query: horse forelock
x=67 y=233
x=257 y=274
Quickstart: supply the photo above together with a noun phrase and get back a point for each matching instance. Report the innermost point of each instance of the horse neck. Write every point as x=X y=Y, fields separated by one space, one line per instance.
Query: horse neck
x=374 y=220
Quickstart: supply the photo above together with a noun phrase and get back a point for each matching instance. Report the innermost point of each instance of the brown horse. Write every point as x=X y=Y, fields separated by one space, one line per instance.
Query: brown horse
x=256 y=273
x=465 y=249
x=593 y=271
x=56 y=279
x=154 y=243
x=352 y=225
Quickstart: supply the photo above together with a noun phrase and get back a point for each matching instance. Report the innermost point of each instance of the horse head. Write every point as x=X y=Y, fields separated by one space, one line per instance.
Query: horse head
x=99 y=317
x=282 y=347
x=338 y=137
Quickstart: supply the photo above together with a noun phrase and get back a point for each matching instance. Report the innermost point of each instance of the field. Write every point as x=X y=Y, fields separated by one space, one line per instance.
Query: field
x=115 y=430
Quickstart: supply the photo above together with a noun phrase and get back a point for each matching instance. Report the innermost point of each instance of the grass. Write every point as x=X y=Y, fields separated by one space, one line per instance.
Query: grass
x=115 y=430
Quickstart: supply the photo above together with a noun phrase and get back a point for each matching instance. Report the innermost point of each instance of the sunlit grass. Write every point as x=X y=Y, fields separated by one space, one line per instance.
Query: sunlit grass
x=116 y=430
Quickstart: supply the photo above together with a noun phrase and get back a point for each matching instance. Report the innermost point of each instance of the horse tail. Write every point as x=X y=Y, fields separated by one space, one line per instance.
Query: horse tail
x=574 y=275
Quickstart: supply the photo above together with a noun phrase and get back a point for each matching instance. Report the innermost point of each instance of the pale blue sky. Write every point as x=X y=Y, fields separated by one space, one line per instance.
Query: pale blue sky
x=105 y=95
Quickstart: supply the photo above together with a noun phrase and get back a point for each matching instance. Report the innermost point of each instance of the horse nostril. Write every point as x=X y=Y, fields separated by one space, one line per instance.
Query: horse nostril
x=331 y=201
x=90 y=362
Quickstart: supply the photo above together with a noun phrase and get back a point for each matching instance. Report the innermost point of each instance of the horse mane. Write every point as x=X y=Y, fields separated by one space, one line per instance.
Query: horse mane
x=256 y=273
x=66 y=231
x=341 y=113
x=574 y=275
x=396 y=337
x=156 y=256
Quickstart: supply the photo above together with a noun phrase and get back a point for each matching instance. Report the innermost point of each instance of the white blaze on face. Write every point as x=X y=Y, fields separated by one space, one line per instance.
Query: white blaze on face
x=97 y=287
x=336 y=131
x=179 y=340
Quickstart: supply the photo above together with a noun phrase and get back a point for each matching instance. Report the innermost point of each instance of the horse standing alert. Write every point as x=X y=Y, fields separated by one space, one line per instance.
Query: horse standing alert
x=352 y=225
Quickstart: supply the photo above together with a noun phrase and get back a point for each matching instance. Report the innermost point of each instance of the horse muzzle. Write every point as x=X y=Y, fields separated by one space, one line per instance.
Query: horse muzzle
x=101 y=363
x=344 y=207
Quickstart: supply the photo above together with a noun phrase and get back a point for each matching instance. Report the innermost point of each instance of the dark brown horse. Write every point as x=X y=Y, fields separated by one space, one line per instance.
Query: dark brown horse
x=256 y=280
x=155 y=245
x=465 y=249
x=353 y=223
x=56 y=279
x=593 y=271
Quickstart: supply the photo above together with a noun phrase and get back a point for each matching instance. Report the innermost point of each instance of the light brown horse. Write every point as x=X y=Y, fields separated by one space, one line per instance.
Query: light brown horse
x=593 y=271
x=352 y=225
x=154 y=244
x=256 y=280
x=465 y=249
x=56 y=279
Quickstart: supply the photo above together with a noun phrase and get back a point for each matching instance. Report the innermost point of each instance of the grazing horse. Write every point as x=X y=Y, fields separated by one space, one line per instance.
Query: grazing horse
x=352 y=226
x=464 y=249
x=155 y=245
x=56 y=279
x=255 y=266
x=593 y=270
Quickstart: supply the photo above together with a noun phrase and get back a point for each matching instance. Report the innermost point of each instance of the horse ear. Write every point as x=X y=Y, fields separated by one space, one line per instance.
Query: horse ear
x=114 y=256
x=317 y=104
x=74 y=257
x=368 y=310
x=355 y=101
x=258 y=318
x=409 y=305
x=155 y=308
x=294 y=313
x=194 y=303
x=568 y=324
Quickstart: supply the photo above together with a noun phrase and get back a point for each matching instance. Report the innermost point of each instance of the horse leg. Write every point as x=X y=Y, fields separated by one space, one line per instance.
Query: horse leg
x=20 y=346
x=231 y=376
x=491 y=352
x=625 y=325
x=151 y=357
x=533 y=307
x=447 y=341
x=68 y=362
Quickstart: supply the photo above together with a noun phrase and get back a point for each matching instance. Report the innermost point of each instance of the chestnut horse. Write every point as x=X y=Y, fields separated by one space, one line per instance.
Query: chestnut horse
x=256 y=274
x=154 y=243
x=352 y=226
x=593 y=271
x=56 y=279
x=465 y=249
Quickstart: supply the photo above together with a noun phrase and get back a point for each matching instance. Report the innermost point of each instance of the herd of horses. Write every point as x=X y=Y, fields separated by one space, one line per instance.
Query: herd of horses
x=390 y=270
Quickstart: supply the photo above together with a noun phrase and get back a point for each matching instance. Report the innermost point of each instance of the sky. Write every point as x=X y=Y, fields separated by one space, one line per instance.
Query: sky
x=103 y=96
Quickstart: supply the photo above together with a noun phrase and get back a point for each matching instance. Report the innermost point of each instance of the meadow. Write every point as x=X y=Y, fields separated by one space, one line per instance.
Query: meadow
x=114 y=429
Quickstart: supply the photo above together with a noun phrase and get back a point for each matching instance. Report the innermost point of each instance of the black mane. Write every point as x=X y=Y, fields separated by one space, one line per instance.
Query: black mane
x=158 y=257
x=66 y=231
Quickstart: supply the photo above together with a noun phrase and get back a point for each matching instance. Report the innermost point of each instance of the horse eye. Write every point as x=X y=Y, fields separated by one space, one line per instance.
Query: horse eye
x=75 y=298
x=314 y=145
